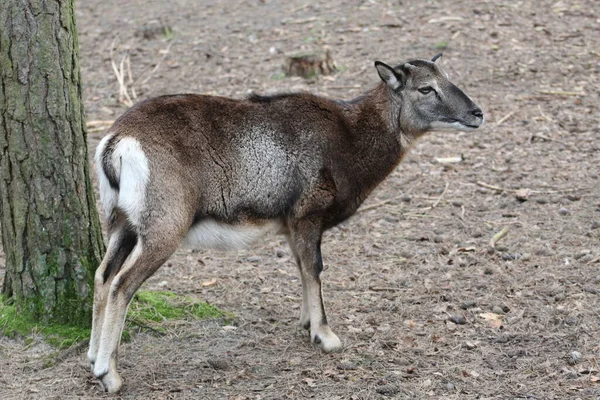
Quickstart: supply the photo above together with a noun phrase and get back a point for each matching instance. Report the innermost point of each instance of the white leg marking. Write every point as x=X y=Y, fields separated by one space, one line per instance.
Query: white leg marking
x=320 y=333
x=132 y=168
x=112 y=326
x=304 y=313
x=100 y=292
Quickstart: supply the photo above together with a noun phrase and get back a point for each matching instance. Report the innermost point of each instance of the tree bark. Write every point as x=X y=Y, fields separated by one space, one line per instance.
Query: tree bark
x=50 y=228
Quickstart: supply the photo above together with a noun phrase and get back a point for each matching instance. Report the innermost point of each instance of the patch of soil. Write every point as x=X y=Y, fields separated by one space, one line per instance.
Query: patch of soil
x=424 y=307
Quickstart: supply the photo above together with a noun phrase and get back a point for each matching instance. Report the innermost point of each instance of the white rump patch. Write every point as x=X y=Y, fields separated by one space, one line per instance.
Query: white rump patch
x=131 y=166
x=210 y=234
x=108 y=195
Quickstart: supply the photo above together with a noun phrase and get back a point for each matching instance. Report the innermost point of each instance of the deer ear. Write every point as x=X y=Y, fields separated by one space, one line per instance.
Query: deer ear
x=391 y=77
x=436 y=57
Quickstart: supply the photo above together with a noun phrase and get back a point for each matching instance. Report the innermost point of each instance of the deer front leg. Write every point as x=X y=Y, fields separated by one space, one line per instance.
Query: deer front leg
x=306 y=244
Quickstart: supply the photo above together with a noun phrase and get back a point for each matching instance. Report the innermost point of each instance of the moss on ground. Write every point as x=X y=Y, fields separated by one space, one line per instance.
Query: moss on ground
x=148 y=310
x=153 y=310
x=14 y=323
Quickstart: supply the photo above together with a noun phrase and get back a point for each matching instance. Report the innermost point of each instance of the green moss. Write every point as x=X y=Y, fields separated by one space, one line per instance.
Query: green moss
x=148 y=310
x=14 y=323
x=164 y=306
x=442 y=45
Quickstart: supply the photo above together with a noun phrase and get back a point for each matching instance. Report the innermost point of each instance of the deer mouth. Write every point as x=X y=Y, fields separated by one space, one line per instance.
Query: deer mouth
x=470 y=125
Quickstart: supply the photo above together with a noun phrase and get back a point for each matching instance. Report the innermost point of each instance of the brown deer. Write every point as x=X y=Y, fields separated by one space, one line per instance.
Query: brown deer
x=214 y=172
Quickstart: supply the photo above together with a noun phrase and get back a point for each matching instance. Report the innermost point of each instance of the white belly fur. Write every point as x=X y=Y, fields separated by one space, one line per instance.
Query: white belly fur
x=210 y=234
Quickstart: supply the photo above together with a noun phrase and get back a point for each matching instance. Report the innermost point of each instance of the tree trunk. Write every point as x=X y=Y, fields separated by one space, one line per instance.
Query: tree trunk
x=50 y=229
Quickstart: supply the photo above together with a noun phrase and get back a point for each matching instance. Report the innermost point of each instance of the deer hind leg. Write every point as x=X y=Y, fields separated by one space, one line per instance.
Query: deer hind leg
x=306 y=243
x=304 y=314
x=147 y=256
x=120 y=245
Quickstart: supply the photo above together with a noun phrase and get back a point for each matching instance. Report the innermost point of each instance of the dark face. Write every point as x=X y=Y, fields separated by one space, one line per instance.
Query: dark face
x=429 y=101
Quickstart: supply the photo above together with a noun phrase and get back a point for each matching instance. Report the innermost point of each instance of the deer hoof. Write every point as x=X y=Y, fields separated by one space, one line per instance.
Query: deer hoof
x=326 y=340
x=111 y=382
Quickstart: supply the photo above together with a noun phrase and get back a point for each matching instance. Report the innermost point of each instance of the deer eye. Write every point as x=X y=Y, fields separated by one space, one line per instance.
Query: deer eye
x=426 y=89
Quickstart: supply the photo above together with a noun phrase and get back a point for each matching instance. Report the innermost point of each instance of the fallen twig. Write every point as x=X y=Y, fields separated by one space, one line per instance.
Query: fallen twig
x=549 y=139
x=119 y=72
x=500 y=189
x=492 y=187
x=498 y=236
x=507 y=116
x=379 y=204
x=71 y=351
x=142 y=325
x=561 y=93
x=165 y=53
x=384 y=289
x=547 y=118
x=441 y=195
x=300 y=21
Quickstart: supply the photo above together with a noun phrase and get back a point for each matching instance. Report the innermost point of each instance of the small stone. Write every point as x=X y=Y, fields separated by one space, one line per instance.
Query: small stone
x=581 y=254
x=574 y=197
x=595 y=225
x=544 y=251
x=457 y=203
x=458 y=319
x=574 y=357
x=497 y=310
x=279 y=253
x=401 y=361
x=468 y=304
x=591 y=289
x=388 y=390
x=522 y=195
x=470 y=345
x=253 y=259
x=510 y=256
x=542 y=200
x=505 y=308
x=406 y=198
x=347 y=366
x=449 y=386
x=563 y=211
x=218 y=364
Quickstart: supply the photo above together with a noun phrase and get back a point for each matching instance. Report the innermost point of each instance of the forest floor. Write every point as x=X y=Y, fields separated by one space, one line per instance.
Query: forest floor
x=401 y=273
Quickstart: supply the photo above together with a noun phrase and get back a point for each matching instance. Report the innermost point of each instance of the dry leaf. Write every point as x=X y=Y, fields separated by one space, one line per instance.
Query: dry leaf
x=494 y=319
x=409 y=322
x=462 y=250
x=209 y=283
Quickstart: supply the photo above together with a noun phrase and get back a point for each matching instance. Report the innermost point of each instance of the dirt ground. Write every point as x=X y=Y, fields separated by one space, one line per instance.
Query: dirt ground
x=424 y=307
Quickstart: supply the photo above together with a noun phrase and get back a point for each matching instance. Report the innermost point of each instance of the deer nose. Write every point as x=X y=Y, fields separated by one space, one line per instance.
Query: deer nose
x=477 y=113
